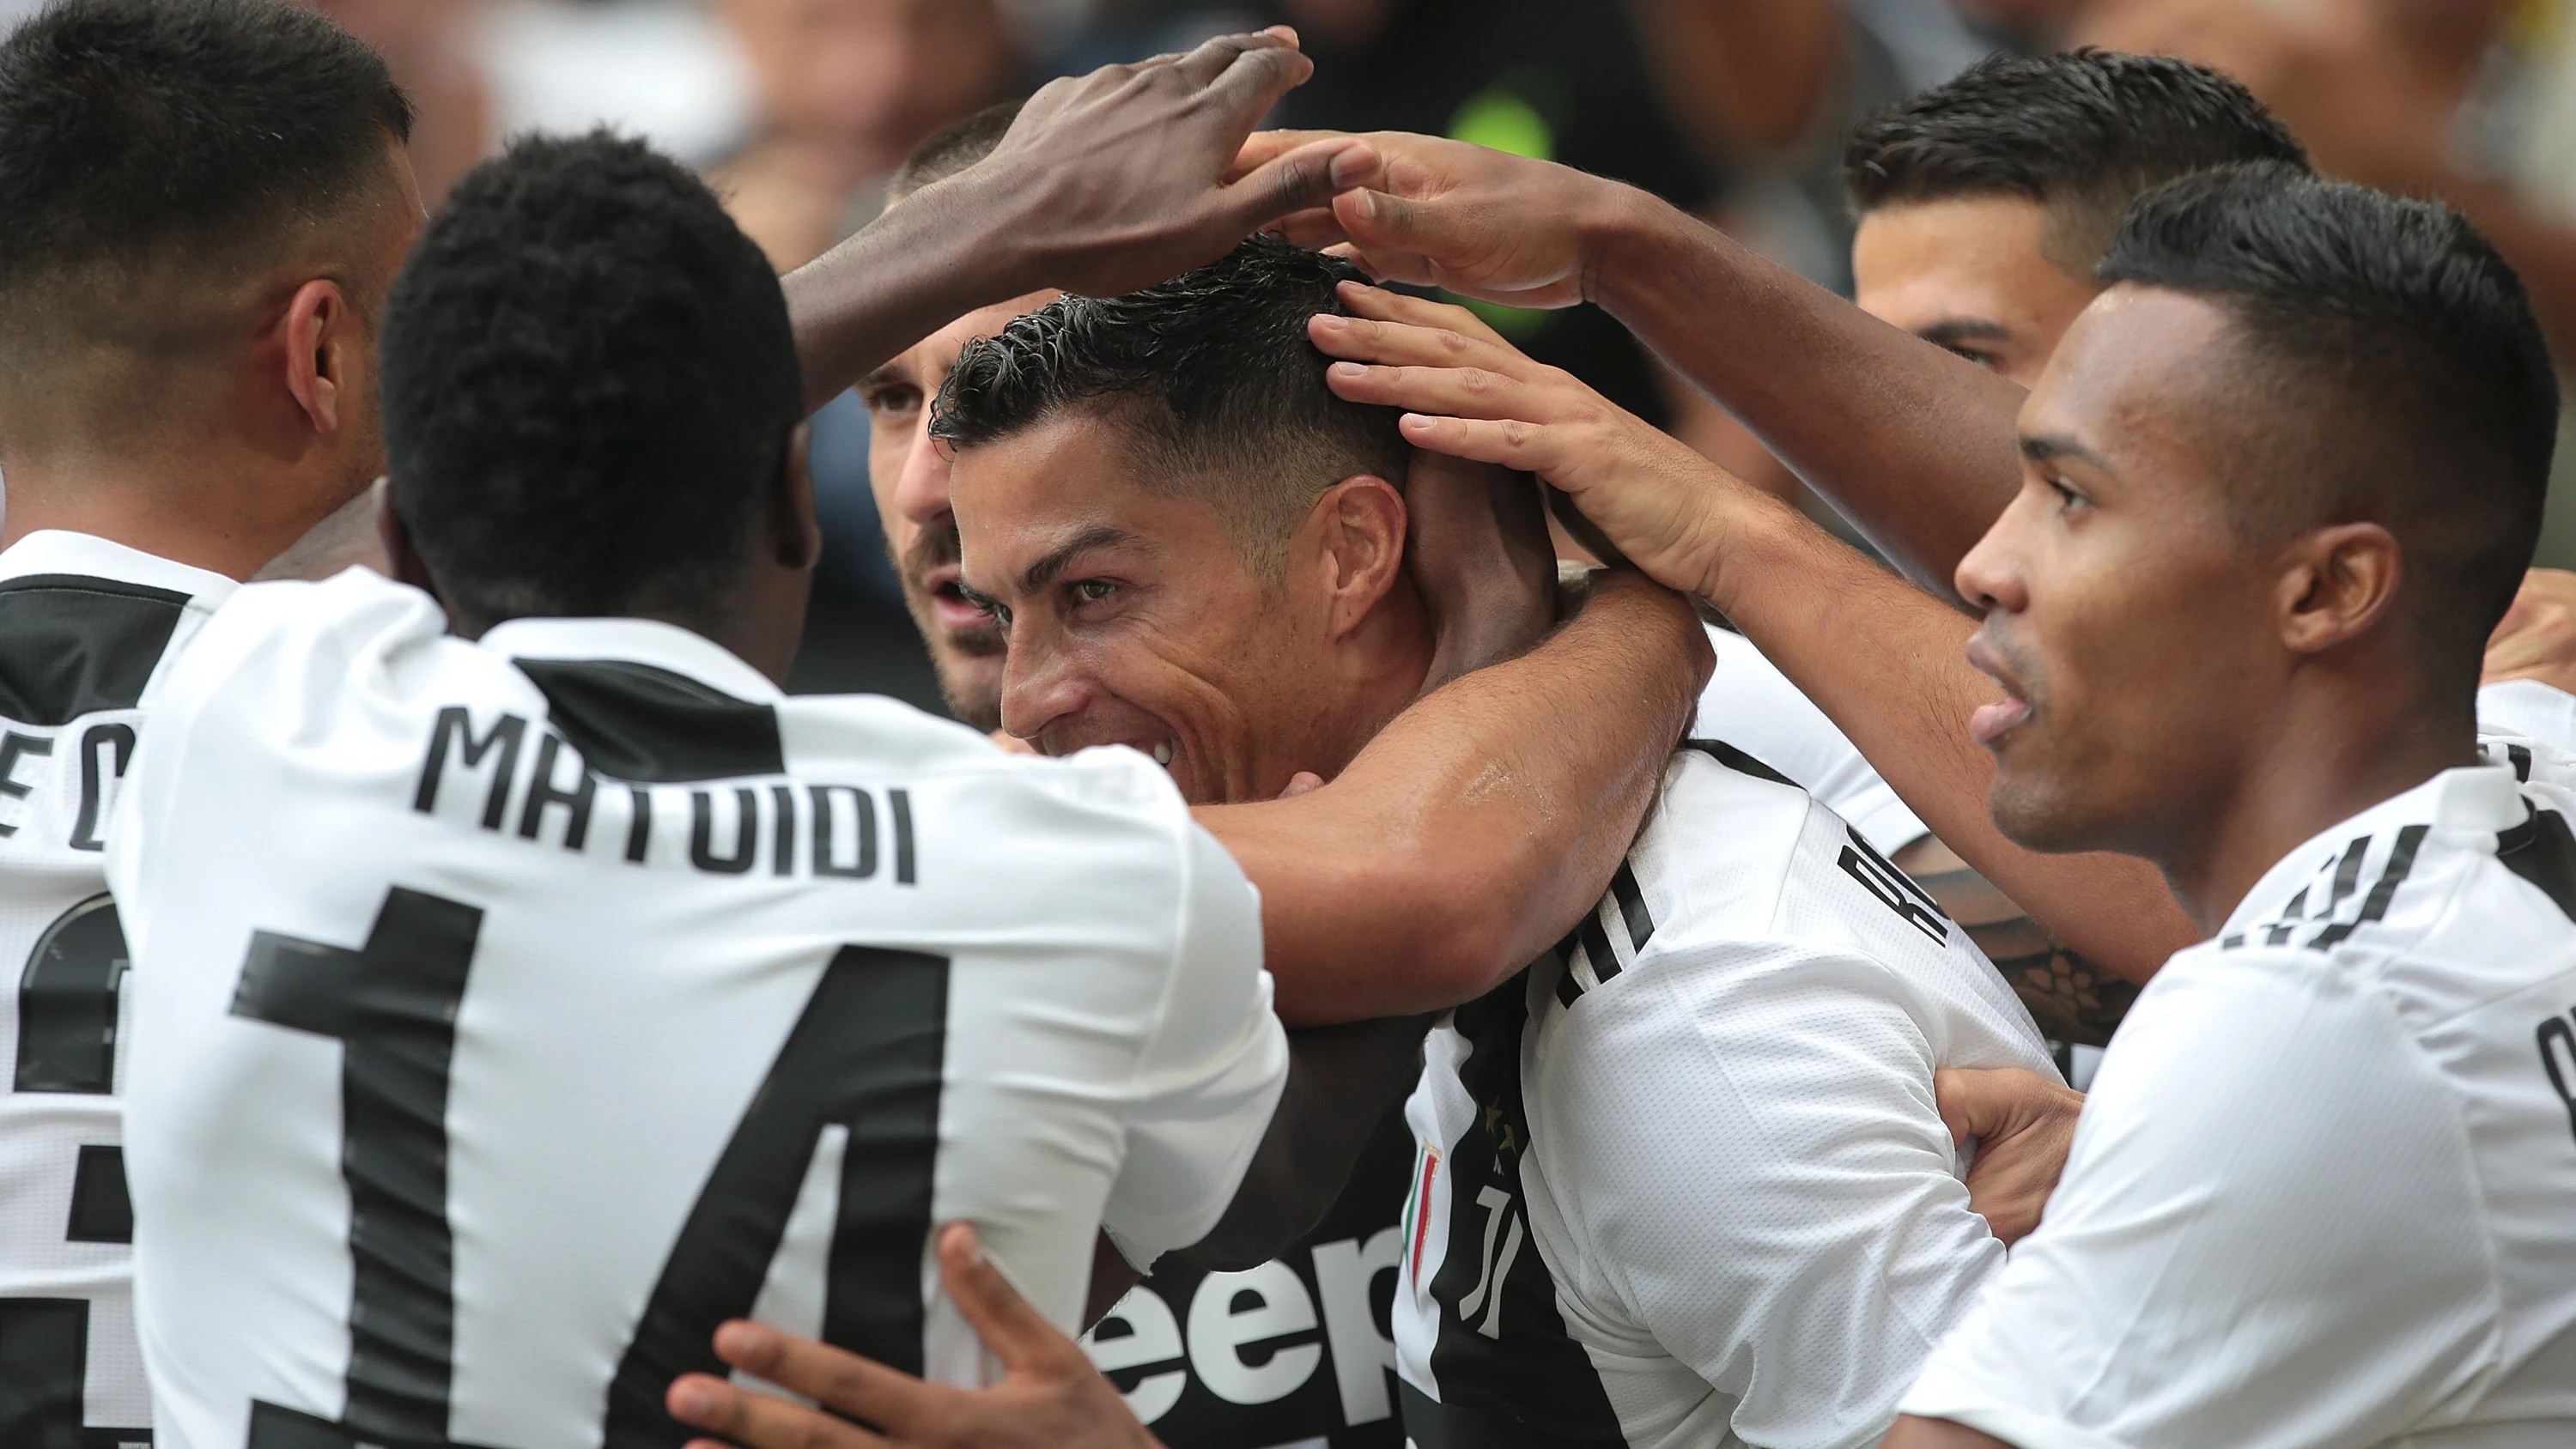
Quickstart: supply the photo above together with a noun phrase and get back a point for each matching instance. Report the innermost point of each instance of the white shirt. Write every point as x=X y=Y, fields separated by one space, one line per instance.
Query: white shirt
x=600 y=992
x=2324 y=1191
x=1698 y=1149
x=2529 y=709
x=1751 y=705
x=87 y=629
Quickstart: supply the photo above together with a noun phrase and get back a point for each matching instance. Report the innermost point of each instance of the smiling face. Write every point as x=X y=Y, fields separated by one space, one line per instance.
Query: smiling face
x=1135 y=617
x=908 y=473
x=2131 y=628
x=1972 y=274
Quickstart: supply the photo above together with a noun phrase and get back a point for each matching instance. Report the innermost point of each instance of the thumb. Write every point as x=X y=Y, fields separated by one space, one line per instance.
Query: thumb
x=1302 y=180
x=1016 y=1332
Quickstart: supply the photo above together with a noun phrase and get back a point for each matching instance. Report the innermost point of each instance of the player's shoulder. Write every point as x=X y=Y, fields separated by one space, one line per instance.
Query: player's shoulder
x=1090 y=790
x=287 y=651
x=2457 y=893
x=88 y=626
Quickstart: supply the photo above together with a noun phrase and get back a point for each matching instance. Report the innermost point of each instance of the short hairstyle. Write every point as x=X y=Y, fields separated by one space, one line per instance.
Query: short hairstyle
x=137 y=133
x=589 y=386
x=2400 y=375
x=1214 y=374
x=2082 y=134
x=952 y=148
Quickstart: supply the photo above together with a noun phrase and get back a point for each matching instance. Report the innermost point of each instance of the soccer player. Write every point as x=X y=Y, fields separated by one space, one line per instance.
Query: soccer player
x=1726 y=1071
x=201 y=207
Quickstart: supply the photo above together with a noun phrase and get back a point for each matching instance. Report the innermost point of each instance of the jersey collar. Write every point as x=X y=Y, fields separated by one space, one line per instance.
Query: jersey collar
x=2478 y=800
x=58 y=551
x=637 y=641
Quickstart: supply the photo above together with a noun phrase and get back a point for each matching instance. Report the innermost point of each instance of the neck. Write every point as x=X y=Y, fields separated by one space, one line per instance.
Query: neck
x=227 y=516
x=1388 y=663
x=2331 y=758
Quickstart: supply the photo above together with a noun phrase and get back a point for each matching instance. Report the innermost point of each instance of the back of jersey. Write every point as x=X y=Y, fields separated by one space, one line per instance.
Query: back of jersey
x=85 y=626
x=533 y=1006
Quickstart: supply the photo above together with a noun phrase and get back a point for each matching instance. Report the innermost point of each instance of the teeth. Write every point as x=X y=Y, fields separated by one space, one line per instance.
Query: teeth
x=1163 y=753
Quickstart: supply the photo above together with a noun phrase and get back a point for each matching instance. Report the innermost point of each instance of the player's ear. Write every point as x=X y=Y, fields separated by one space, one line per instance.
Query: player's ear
x=400 y=556
x=796 y=533
x=2335 y=583
x=321 y=339
x=1364 y=531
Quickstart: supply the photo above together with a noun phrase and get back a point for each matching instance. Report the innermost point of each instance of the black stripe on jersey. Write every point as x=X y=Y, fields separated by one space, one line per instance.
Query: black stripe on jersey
x=2520 y=758
x=71 y=645
x=102 y=1212
x=2347 y=874
x=2401 y=859
x=44 y=1357
x=1632 y=908
x=1567 y=988
x=1509 y=1372
x=635 y=722
x=67 y=1002
x=2291 y=917
x=2542 y=851
x=1740 y=762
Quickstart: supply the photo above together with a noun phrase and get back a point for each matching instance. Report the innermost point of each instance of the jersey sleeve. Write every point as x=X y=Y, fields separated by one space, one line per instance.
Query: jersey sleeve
x=1787 y=1217
x=1211 y=1072
x=1751 y=705
x=2265 y=1237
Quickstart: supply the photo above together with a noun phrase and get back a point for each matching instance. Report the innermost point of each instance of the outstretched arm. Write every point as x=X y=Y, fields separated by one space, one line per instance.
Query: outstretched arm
x=1914 y=444
x=1884 y=660
x=1106 y=183
x=1478 y=825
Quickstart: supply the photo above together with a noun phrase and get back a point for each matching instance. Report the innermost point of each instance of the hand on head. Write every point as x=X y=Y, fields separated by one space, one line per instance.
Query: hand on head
x=1128 y=170
x=1429 y=212
x=1050 y=1396
x=1470 y=394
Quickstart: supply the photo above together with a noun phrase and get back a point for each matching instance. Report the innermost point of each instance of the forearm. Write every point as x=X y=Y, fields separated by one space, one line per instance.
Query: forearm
x=1914 y=444
x=1887 y=664
x=904 y=276
x=1480 y=824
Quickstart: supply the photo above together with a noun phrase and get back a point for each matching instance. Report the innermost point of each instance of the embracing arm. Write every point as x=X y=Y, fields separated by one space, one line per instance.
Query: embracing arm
x=1477 y=826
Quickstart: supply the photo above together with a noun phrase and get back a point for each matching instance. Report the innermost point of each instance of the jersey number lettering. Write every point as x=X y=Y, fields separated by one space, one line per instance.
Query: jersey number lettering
x=865 y=1054
x=1894 y=889
x=67 y=997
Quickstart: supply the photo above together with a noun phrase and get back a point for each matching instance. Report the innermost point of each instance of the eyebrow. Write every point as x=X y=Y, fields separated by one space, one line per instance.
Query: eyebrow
x=2049 y=447
x=1042 y=573
x=1952 y=332
x=879 y=378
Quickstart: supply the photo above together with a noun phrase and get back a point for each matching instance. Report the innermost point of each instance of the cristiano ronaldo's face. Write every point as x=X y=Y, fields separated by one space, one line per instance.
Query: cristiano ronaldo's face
x=2129 y=627
x=1134 y=617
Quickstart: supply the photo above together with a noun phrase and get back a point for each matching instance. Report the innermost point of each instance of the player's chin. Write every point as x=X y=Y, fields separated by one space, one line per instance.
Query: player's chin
x=2036 y=810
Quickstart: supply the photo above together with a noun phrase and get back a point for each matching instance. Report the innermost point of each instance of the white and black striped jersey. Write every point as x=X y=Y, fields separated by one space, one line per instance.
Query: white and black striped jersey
x=1684 y=1181
x=86 y=628
x=2322 y=1191
x=530 y=1006
x=1751 y=705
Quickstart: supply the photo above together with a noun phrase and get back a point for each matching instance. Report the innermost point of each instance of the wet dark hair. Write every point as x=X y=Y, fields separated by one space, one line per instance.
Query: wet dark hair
x=589 y=387
x=1211 y=374
x=143 y=134
x=2082 y=133
x=2390 y=369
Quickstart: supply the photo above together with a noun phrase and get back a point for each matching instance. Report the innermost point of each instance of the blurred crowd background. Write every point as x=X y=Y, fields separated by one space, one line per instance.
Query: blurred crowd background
x=799 y=109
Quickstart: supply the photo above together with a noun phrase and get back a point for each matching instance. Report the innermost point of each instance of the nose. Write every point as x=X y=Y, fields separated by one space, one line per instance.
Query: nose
x=1041 y=686
x=921 y=489
x=1990 y=577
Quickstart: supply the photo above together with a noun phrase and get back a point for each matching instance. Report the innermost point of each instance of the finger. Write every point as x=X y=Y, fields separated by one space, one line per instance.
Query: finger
x=759 y=1421
x=1262 y=147
x=835 y=1378
x=1302 y=180
x=1247 y=79
x=1458 y=392
x=1016 y=1332
x=1386 y=306
x=1513 y=444
x=1405 y=344
x=1314 y=228
x=1301 y=783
